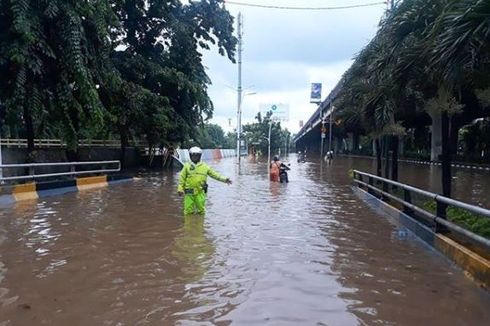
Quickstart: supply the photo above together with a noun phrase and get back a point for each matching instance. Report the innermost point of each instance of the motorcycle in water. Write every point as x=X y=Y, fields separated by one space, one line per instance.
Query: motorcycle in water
x=283 y=173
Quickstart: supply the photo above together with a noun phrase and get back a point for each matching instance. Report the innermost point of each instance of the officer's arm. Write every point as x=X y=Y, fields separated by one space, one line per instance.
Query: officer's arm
x=215 y=175
x=182 y=178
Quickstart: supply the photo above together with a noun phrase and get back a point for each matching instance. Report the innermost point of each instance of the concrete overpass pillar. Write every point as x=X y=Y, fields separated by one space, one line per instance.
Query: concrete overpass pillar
x=436 y=136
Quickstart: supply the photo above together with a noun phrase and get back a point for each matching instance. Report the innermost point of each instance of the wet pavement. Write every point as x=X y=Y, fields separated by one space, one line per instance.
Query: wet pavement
x=304 y=253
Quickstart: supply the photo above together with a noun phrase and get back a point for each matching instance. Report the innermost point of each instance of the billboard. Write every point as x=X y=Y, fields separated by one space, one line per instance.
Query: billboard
x=316 y=93
x=279 y=111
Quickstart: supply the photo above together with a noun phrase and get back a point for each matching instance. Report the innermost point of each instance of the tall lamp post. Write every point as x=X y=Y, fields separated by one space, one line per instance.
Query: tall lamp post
x=330 y=130
x=269 y=147
x=322 y=137
x=239 y=90
x=239 y=124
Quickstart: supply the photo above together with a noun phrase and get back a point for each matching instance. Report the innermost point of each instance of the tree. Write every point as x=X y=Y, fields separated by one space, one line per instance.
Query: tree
x=210 y=136
x=257 y=134
x=50 y=55
x=124 y=69
x=428 y=59
x=162 y=41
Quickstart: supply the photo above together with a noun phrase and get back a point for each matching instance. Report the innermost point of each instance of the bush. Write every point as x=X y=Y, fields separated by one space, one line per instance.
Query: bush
x=473 y=222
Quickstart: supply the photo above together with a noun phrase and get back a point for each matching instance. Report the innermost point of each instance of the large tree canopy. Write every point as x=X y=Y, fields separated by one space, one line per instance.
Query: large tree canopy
x=124 y=69
x=429 y=61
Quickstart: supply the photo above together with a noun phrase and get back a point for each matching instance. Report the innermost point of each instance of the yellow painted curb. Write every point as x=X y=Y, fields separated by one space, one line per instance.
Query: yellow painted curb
x=25 y=191
x=92 y=182
x=476 y=266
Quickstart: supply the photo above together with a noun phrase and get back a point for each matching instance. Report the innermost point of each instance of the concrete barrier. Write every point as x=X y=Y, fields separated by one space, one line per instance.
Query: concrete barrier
x=207 y=154
x=13 y=193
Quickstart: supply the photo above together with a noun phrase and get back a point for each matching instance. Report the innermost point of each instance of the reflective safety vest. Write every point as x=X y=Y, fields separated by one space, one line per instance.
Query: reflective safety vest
x=193 y=177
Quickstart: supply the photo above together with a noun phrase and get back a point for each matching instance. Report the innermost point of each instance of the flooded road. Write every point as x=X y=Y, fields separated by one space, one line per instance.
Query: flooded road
x=304 y=253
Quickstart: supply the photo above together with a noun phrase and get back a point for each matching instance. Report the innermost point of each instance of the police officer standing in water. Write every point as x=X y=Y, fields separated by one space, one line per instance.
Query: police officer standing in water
x=193 y=182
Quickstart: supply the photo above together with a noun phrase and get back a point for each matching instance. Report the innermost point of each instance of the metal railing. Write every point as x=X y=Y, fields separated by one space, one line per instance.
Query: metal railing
x=47 y=143
x=72 y=165
x=439 y=220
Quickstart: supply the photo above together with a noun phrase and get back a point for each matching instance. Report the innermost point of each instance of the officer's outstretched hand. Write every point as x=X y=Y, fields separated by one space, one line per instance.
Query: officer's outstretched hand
x=228 y=181
x=181 y=193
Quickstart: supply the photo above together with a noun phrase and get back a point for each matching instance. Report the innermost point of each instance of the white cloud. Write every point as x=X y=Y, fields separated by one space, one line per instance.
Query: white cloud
x=284 y=51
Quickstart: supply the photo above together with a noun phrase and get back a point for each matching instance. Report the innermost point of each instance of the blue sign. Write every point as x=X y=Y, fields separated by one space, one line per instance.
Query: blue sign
x=316 y=93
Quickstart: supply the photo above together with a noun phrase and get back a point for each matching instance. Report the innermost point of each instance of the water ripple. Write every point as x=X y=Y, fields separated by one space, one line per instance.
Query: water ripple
x=307 y=253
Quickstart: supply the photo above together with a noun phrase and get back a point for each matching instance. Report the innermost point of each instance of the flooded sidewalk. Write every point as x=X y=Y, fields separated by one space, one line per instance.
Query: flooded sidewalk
x=304 y=253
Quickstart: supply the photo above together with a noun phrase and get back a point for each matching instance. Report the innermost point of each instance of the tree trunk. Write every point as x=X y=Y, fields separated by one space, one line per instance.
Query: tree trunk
x=446 y=156
x=453 y=138
x=355 y=142
x=378 y=157
x=29 y=129
x=394 y=159
x=387 y=156
x=123 y=134
x=72 y=153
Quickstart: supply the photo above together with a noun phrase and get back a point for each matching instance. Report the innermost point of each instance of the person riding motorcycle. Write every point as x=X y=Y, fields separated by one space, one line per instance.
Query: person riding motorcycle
x=193 y=182
x=275 y=169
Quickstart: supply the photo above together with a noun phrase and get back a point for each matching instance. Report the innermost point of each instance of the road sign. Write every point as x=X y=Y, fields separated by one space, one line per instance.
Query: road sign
x=279 y=111
x=316 y=93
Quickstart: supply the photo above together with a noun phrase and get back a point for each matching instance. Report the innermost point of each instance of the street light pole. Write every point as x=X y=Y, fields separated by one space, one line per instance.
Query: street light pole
x=330 y=130
x=322 y=135
x=269 y=148
x=239 y=98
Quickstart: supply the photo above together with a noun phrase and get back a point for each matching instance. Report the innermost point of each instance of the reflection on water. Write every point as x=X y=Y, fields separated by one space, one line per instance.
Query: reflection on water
x=192 y=250
x=304 y=253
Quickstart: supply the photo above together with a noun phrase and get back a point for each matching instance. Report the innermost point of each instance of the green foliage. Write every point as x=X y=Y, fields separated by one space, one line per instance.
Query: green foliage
x=421 y=48
x=127 y=69
x=257 y=134
x=428 y=58
x=210 y=136
x=472 y=222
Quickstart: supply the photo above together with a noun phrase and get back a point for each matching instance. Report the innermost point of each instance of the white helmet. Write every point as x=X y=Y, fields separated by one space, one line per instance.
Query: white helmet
x=195 y=150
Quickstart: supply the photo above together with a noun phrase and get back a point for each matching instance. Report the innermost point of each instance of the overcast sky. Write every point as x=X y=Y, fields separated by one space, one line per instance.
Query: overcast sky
x=285 y=51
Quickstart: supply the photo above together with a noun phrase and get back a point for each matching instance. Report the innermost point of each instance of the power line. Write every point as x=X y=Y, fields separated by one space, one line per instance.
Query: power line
x=236 y=3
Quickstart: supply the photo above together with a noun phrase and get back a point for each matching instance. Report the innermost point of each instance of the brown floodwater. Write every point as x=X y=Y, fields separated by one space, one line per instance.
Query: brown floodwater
x=304 y=253
x=468 y=185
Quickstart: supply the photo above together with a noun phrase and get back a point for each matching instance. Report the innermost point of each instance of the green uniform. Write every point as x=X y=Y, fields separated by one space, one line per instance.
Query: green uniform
x=192 y=182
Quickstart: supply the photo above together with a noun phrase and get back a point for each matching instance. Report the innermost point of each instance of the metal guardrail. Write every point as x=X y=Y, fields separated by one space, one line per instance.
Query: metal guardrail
x=11 y=142
x=367 y=180
x=32 y=175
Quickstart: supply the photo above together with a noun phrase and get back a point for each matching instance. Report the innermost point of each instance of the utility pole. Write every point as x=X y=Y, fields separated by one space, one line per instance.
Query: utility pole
x=239 y=90
x=330 y=130
x=269 y=148
x=322 y=135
